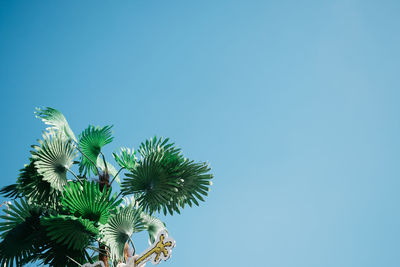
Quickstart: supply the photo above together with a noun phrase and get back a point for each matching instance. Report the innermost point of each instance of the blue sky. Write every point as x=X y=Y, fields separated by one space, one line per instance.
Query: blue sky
x=295 y=106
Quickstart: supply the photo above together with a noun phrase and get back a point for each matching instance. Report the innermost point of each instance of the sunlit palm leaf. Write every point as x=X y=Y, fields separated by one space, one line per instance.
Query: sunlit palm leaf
x=75 y=233
x=18 y=232
x=56 y=119
x=164 y=180
x=153 y=225
x=126 y=159
x=53 y=158
x=89 y=202
x=91 y=141
x=118 y=229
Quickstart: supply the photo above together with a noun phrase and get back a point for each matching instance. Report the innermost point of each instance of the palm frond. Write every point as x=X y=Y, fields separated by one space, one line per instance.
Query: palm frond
x=194 y=183
x=18 y=232
x=89 y=202
x=53 y=158
x=10 y=191
x=75 y=233
x=153 y=225
x=126 y=159
x=53 y=254
x=32 y=186
x=91 y=141
x=164 y=180
x=119 y=228
x=155 y=144
x=56 y=119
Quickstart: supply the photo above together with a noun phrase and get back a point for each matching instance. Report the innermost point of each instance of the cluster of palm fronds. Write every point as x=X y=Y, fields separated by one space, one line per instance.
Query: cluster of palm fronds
x=61 y=218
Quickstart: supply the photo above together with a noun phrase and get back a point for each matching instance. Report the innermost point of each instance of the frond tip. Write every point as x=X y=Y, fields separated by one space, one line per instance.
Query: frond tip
x=56 y=119
x=10 y=191
x=126 y=159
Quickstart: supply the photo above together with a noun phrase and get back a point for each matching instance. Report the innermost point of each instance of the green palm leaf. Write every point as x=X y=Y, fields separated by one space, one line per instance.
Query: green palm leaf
x=89 y=202
x=194 y=183
x=75 y=233
x=53 y=158
x=119 y=228
x=91 y=142
x=154 y=145
x=10 y=191
x=18 y=232
x=164 y=180
x=126 y=159
x=53 y=254
x=153 y=225
x=32 y=186
x=56 y=119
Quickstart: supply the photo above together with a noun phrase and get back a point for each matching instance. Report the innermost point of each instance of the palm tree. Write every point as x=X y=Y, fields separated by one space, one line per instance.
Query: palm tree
x=62 y=218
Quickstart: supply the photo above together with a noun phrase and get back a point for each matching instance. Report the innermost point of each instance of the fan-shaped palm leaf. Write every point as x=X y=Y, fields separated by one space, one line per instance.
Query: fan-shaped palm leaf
x=165 y=180
x=126 y=159
x=75 y=233
x=91 y=141
x=56 y=119
x=53 y=158
x=18 y=233
x=157 y=145
x=118 y=229
x=54 y=254
x=194 y=183
x=10 y=191
x=153 y=225
x=32 y=186
x=88 y=201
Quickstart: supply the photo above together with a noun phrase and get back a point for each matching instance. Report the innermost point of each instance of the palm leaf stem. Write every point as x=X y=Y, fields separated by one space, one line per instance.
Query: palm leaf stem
x=79 y=180
x=73 y=260
x=133 y=246
x=96 y=249
x=116 y=175
x=104 y=160
x=100 y=242
x=119 y=194
x=88 y=256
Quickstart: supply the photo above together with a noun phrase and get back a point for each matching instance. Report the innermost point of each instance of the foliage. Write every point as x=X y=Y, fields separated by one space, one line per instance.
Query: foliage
x=120 y=226
x=74 y=232
x=89 y=202
x=54 y=158
x=164 y=179
x=91 y=142
x=57 y=217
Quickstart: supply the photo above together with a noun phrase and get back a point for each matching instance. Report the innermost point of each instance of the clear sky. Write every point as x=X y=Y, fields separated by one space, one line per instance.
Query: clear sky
x=295 y=106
